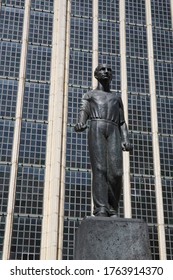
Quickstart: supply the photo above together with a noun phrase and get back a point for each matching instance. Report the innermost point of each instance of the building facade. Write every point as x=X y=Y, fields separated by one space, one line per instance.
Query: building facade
x=48 y=52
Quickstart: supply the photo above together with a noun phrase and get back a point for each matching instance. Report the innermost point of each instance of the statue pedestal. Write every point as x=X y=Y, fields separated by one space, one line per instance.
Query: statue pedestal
x=102 y=238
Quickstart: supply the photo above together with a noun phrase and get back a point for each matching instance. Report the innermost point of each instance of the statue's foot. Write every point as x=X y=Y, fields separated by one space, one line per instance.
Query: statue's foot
x=101 y=212
x=113 y=213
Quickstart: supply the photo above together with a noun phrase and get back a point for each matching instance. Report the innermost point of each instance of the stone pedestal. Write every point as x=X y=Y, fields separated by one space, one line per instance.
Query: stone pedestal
x=100 y=238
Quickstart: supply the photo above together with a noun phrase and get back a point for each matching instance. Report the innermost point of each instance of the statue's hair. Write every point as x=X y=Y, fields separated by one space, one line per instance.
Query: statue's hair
x=97 y=69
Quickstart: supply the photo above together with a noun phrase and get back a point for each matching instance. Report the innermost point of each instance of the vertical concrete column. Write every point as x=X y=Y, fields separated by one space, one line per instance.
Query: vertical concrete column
x=54 y=184
x=95 y=51
x=64 y=131
x=17 y=132
x=95 y=41
x=171 y=2
x=155 y=138
x=126 y=158
x=49 y=140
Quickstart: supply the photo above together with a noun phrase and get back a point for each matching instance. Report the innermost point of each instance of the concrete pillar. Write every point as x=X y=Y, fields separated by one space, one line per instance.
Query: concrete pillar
x=155 y=138
x=64 y=136
x=126 y=158
x=95 y=53
x=55 y=157
x=95 y=41
x=17 y=132
x=171 y=2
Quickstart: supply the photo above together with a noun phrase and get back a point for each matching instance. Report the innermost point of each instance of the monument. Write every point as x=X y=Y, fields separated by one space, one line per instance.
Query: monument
x=107 y=138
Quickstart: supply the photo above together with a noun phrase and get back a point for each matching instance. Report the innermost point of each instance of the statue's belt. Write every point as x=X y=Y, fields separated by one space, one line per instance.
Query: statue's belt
x=103 y=120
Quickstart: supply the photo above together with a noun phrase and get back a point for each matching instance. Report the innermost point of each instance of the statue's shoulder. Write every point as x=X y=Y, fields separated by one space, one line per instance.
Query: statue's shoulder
x=87 y=95
x=119 y=97
x=118 y=94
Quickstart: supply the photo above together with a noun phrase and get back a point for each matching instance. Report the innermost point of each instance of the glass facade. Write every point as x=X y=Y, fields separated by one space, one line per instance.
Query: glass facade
x=28 y=205
x=109 y=39
x=11 y=23
x=141 y=159
x=31 y=169
x=78 y=173
x=162 y=44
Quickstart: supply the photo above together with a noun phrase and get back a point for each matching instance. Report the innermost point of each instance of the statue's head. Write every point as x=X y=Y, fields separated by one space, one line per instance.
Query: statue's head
x=103 y=73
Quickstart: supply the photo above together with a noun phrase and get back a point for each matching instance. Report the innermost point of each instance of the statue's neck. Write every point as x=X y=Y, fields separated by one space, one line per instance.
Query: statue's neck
x=104 y=87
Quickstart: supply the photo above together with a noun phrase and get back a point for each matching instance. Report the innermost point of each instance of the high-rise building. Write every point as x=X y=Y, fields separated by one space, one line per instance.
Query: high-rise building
x=48 y=51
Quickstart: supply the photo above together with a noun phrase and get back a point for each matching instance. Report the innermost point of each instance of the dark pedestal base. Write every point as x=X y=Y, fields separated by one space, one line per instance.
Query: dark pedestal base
x=100 y=238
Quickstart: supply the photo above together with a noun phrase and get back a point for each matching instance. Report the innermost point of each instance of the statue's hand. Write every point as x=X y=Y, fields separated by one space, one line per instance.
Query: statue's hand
x=126 y=146
x=79 y=127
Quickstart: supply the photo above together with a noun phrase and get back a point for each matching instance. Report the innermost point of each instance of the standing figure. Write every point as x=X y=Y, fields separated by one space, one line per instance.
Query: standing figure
x=107 y=137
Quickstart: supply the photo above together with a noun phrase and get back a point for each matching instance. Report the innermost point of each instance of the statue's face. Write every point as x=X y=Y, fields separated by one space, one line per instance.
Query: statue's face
x=103 y=73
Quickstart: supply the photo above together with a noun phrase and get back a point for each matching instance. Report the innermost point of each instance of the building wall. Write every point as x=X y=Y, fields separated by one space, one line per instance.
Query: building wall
x=38 y=79
x=78 y=170
x=145 y=198
x=29 y=109
x=162 y=45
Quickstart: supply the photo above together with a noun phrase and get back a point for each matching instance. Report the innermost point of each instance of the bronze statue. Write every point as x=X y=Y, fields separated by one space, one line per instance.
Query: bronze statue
x=107 y=137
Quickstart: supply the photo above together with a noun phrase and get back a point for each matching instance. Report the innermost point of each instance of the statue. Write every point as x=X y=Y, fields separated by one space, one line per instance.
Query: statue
x=107 y=137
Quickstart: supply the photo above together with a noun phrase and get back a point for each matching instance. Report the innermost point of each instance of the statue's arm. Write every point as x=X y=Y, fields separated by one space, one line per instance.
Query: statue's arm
x=83 y=115
x=125 y=142
x=81 y=125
